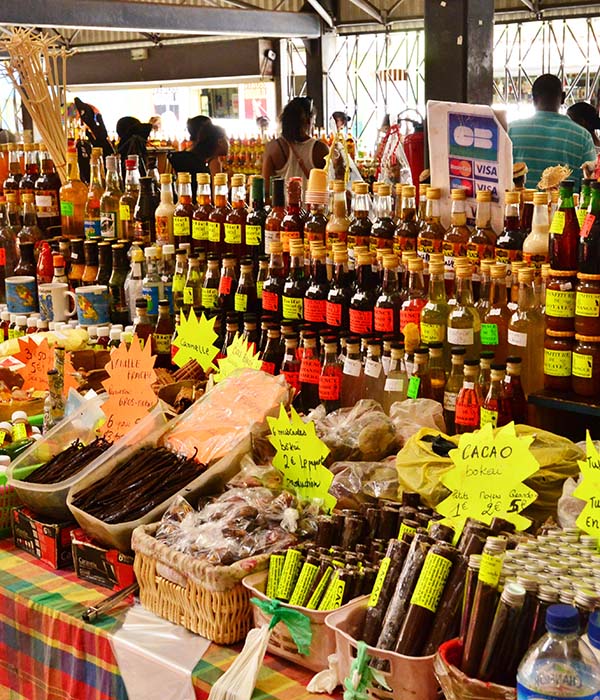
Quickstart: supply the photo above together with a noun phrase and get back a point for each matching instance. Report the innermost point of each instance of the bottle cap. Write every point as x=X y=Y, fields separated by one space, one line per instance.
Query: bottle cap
x=384 y=189
x=238 y=180
x=131 y=163
x=115 y=333
x=458 y=193
x=21 y=320
x=408 y=191
x=593 y=629
x=184 y=178
x=168 y=249
x=32 y=322
x=150 y=251
x=58 y=260
x=433 y=193
x=540 y=198
x=18 y=415
x=165 y=178
x=562 y=618
x=220 y=179
x=5 y=315
x=141 y=303
x=512 y=197
x=483 y=196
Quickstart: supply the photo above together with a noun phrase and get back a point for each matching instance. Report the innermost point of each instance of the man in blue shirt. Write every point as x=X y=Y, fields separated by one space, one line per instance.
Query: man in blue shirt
x=549 y=138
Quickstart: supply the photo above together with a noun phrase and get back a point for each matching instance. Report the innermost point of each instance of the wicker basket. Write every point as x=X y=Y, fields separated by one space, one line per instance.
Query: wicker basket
x=209 y=600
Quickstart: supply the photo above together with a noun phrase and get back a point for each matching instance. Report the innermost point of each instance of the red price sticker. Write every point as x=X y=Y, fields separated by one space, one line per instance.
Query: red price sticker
x=310 y=370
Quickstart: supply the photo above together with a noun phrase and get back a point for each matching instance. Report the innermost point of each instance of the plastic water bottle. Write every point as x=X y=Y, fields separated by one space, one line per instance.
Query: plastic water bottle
x=561 y=664
x=593 y=634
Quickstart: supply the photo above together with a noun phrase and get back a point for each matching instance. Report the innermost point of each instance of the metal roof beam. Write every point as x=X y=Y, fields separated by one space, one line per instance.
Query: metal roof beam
x=156 y=18
x=369 y=9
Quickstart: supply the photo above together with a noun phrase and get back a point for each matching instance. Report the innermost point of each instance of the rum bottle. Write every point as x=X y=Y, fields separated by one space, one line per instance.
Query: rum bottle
x=434 y=315
x=373 y=374
x=315 y=298
x=584 y=200
x=437 y=373
x=142 y=326
x=271 y=356
x=330 y=381
x=179 y=277
x=273 y=286
x=129 y=198
x=32 y=170
x=30 y=230
x=310 y=373
x=337 y=309
x=513 y=390
x=218 y=216
x=77 y=265
x=431 y=236
x=362 y=303
x=396 y=383
x=143 y=215
x=589 y=241
x=383 y=229
x=360 y=228
x=509 y=245
x=456 y=237
x=104 y=263
x=276 y=214
x=290 y=230
x=202 y=212
x=245 y=294
x=92 y=221
x=290 y=367
x=496 y=406
x=336 y=230
x=564 y=231
x=527 y=211
x=184 y=210
x=387 y=307
x=453 y=387
x=109 y=201
x=295 y=285
x=255 y=221
x=463 y=328
x=47 y=188
x=469 y=400
x=352 y=374
x=407 y=227
x=419 y=383
x=494 y=325
x=119 y=311
x=161 y=338
x=235 y=221
x=210 y=286
x=227 y=284
x=15 y=171
x=410 y=314
x=482 y=241
x=73 y=195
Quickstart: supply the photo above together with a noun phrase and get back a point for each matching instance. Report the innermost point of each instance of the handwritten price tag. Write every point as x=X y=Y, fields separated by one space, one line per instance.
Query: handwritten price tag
x=194 y=340
x=300 y=457
x=38 y=359
x=239 y=354
x=486 y=481
x=589 y=490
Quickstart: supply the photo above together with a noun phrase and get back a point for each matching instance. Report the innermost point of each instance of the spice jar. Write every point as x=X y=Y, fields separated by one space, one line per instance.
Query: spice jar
x=587 y=304
x=560 y=300
x=585 y=379
x=558 y=351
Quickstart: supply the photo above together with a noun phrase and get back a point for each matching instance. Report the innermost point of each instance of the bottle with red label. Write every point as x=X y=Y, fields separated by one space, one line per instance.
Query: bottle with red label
x=464 y=325
x=294 y=288
x=330 y=381
x=469 y=400
x=217 y=217
x=388 y=304
x=374 y=376
x=407 y=226
x=564 y=230
x=352 y=374
x=234 y=227
x=410 y=312
x=290 y=367
x=482 y=241
x=315 y=298
x=383 y=229
x=310 y=373
x=496 y=406
x=431 y=236
x=271 y=356
x=336 y=230
x=456 y=237
x=589 y=241
x=47 y=187
x=509 y=245
x=338 y=298
x=227 y=284
x=362 y=303
x=513 y=390
x=452 y=388
x=494 y=325
x=276 y=214
x=245 y=295
x=292 y=225
x=536 y=245
x=359 y=230
x=273 y=286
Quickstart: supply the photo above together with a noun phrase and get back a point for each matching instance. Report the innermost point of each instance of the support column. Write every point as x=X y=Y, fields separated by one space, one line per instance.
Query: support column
x=459 y=47
x=315 y=78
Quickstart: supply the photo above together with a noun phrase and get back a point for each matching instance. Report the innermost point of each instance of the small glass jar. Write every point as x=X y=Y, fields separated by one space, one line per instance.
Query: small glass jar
x=558 y=352
x=560 y=300
x=587 y=305
x=586 y=365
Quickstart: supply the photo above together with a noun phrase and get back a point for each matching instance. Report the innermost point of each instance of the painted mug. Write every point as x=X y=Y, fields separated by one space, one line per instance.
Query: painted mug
x=21 y=294
x=92 y=305
x=53 y=301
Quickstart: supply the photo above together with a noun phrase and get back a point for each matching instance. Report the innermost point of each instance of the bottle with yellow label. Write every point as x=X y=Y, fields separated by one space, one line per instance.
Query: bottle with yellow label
x=183 y=212
x=235 y=221
x=295 y=285
x=585 y=372
x=203 y=210
x=73 y=195
x=129 y=198
x=480 y=245
x=431 y=236
x=456 y=237
x=434 y=315
x=509 y=246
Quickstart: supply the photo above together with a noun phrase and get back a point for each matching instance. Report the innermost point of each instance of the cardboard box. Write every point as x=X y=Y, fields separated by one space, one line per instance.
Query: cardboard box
x=96 y=564
x=44 y=539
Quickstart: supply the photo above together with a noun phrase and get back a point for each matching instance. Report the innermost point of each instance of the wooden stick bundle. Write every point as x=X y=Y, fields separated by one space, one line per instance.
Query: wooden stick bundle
x=37 y=69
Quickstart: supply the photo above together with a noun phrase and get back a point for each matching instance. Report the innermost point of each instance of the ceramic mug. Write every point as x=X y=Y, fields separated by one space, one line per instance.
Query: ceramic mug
x=21 y=294
x=53 y=301
x=92 y=305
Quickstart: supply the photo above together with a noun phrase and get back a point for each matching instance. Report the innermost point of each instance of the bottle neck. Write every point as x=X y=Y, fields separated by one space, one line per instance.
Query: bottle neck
x=464 y=291
x=526 y=298
x=566 y=199
x=276 y=265
x=437 y=288
x=483 y=217
x=361 y=206
x=498 y=292
x=458 y=213
x=432 y=211
x=390 y=280
x=540 y=223
x=319 y=271
x=384 y=208
x=72 y=170
x=409 y=212
x=184 y=192
x=511 y=217
x=166 y=193
x=416 y=286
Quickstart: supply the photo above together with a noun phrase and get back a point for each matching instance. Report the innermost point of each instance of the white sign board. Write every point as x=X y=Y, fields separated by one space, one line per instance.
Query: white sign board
x=469 y=148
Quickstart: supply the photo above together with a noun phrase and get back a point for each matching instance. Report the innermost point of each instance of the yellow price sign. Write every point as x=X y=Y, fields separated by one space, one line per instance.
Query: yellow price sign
x=195 y=340
x=239 y=354
x=589 y=490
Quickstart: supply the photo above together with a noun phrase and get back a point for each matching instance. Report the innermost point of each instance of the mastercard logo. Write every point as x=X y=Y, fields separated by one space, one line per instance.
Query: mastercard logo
x=462 y=168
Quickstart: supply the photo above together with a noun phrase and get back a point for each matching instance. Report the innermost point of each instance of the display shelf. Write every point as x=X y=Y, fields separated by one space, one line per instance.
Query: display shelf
x=566 y=414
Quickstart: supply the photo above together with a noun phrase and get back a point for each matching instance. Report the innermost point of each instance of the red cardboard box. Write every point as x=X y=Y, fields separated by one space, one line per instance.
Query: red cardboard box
x=48 y=541
x=96 y=564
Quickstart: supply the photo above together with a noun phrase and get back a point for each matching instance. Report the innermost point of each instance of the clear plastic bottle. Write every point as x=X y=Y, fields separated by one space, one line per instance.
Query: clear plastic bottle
x=561 y=664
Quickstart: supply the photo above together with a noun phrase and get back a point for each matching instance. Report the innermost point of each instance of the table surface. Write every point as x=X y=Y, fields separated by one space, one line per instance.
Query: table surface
x=47 y=652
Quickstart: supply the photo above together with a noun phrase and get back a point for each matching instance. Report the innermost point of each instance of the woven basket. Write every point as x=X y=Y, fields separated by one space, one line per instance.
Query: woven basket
x=209 y=600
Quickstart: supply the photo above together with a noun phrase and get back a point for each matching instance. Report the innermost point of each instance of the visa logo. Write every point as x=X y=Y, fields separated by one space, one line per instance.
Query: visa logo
x=486 y=170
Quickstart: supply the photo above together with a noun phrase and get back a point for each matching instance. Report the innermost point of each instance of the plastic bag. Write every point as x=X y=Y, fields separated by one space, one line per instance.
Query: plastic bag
x=393 y=166
x=361 y=433
x=339 y=164
x=252 y=474
x=357 y=483
x=410 y=415
x=569 y=507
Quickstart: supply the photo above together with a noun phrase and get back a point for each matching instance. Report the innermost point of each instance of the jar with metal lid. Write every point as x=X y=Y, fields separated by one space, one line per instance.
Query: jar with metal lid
x=585 y=380
x=558 y=352
x=587 y=304
x=560 y=300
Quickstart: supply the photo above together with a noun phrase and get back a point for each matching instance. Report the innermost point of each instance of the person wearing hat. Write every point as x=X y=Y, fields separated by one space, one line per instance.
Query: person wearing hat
x=549 y=138
x=519 y=175
x=585 y=114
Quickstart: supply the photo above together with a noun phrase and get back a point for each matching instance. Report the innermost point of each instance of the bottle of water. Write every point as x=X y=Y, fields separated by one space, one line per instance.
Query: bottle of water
x=560 y=665
x=593 y=634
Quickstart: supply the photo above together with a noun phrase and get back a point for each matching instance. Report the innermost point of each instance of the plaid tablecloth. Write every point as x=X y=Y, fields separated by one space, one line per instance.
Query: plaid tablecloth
x=48 y=653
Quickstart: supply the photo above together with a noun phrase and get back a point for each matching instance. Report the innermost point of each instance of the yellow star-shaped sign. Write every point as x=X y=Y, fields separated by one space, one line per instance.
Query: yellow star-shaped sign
x=589 y=490
x=194 y=340
x=239 y=354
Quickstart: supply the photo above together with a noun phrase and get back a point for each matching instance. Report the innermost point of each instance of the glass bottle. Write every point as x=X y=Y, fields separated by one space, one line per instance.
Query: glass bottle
x=231 y=331
x=509 y=245
x=192 y=291
x=387 y=307
x=143 y=215
x=47 y=188
x=217 y=217
x=336 y=230
x=104 y=263
x=360 y=227
x=383 y=229
x=129 y=198
x=255 y=221
x=564 y=230
x=310 y=372
x=15 y=171
x=437 y=373
x=250 y=332
x=456 y=237
x=77 y=266
x=227 y=284
x=373 y=374
x=290 y=230
x=410 y=313
x=151 y=283
x=330 y=381
x=396 y=383
x=513 y=390
x=535 y=246
x=431 y=236
x=142 y=326
x=135 y=280
x=273 y=286
x=584 y=199
x=59 y=265
x=485 y=372
x=496 y=407
x=179 y=277
x=200 y=215
x=90 y=255
x=422 y=208
x=109 y=201
x=245 y=296
x=463 y=328
x=210 y=286
x=161 y=337
x=44 y=268
x=494 y=325
x=119 y=311
x=453 y=387
x=30 y=231
x=589 y=241
x=235 y=221
x=184 y=210
x=276 y=214
x=8 y=235
x=527 y=211
x=526 y=334
x=352 y=374
x=482 y=241
x=338 y=299
x=73 y=195
x=469 y=400
x=315 y=298
x=407 y=227
x=295 y=285
x=32 y=170
x=362 y=302
x=290 y=367
x=483 y=303
x=434 y=315
x=419 y=383
x=271 y=355
x=92 y=222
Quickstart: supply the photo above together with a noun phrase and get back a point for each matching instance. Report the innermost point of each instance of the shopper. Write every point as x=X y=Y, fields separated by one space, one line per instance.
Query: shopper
x=295 y=152
x=133 y=137
x=549 y=138
x=586 y=115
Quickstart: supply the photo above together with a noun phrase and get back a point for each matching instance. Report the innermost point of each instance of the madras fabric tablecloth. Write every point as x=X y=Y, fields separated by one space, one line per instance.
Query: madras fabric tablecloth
x=47 y=652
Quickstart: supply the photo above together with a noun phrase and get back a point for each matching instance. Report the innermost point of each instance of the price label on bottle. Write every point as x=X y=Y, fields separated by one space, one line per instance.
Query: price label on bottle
x=488 y=416
x=199 y=230
x=373 y=369
x=291 y=307
x=253 y=235
x=225 y=285
x=361 y=322
x=384 y=320
x=582 y=365
x=560 y=304
x=432 y=333
x=517 y=338
x=315 y=310
x=558 y=223
x=460 y=336
x=233 y=234
x=467 y=414
x=67 y=208
x=557 y=363
x=352 y=367
x=181 y=226
x=587 y=304
x=241 y=302
x=124 y=212
x=489 y=334
x=413 y=387
x=214 y=231
x=333 y=314
x=586 y=227
x=330 y=387
x=581 y=214
x=310 y=370
x=209 y=297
